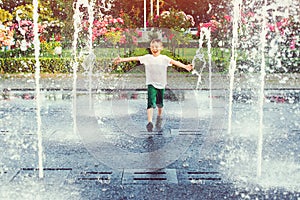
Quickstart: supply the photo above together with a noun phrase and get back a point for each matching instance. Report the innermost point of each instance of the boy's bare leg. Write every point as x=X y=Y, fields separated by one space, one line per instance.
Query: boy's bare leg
x=159 y=112
x=150 y=114
x=159 y=119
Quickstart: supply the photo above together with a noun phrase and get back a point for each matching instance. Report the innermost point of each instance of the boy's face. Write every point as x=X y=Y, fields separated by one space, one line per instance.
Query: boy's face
x=155 y=48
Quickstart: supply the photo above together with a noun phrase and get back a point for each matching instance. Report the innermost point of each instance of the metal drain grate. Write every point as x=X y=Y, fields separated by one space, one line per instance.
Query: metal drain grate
x=95 y=176
x=203 y=177
x=146 y=176
x=51 y=175
x=153 y=133
x=187 y=131
x=46 y=169
x=3 y=132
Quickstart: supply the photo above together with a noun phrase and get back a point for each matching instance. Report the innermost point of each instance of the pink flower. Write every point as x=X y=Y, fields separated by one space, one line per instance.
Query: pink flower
x=120 y=20
x=285 y=22
x=123 y=39
x=103 y=31
x=97 y=23
x=41 y=28
x=293 y=43
x=228 y=18
x=250 y=14
x=140 y=33
x=1 y=36
x=25 y=29
x=94 y=37
x=135 y=41
x=271 y=27
x=206 y=25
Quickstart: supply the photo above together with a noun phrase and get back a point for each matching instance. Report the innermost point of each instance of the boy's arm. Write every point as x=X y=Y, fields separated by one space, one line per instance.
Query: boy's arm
x=119 y=59
x=188 y=67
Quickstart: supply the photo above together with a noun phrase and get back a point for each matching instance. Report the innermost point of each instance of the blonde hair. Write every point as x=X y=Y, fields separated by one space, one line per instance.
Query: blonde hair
x=156 y=41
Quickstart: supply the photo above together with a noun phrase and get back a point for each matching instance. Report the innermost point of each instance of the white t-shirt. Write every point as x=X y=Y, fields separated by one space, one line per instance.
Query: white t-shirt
x=156 y=69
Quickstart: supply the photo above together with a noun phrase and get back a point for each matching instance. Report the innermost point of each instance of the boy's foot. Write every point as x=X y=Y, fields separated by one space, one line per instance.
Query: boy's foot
x=149 y=127
x=158 y=123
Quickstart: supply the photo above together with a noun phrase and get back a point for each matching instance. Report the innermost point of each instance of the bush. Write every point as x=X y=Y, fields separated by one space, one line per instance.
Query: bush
x=48 y=65
x=16 y=53
x=27 y=65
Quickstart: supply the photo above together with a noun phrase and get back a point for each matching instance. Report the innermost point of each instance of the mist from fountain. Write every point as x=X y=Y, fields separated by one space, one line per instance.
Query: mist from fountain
x=260 y=45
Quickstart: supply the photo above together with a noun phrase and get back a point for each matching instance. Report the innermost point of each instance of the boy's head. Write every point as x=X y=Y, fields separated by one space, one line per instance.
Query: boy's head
x=156 y=46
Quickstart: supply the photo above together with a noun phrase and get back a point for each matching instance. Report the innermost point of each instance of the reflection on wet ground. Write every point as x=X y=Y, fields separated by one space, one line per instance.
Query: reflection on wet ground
x=196 y=154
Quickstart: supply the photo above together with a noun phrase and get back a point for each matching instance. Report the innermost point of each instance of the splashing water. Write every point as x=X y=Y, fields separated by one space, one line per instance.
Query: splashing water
x=37 y=86
x=199 y=59
x=232 y=67
x=261 y=92
x=77 y=17
x=89 y=56
x=77 y=29
x=261 y=45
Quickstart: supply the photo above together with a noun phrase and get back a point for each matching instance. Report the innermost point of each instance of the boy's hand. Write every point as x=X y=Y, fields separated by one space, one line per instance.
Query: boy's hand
x=117 y=60
x=189 y=67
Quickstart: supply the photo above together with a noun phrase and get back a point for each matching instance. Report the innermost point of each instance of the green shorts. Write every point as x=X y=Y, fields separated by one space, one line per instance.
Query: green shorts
x=155 y=97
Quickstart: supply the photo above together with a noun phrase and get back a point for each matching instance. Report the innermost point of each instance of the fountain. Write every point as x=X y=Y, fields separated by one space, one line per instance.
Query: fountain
x=257 y=151
x=263 y=14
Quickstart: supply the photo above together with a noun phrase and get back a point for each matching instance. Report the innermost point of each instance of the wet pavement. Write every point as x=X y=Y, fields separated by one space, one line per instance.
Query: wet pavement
x=97 y=147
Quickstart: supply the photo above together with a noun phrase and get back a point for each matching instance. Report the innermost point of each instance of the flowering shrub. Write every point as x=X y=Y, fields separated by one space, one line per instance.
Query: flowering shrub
x=103 y=26
x=282 y=40
x=176 y=20
x=6 y=37
x=51 y=31
x=49 y=47
x=173 y=23
x=5 y=15
x=212 y=24
x=111 y=31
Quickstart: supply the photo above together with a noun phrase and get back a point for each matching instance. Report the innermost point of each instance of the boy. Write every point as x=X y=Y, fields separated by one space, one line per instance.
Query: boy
x=156 y=78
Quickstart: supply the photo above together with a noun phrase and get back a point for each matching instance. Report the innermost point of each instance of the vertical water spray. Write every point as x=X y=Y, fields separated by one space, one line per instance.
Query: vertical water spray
x=205 y=33
x=208 y=35
x=77 y=28
x=36 y=43
x=262 y=86
x=232 y=67
x=89 y=60
x=91 y=55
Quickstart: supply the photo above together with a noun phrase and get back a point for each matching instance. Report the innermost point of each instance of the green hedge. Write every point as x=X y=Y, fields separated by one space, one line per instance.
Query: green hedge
x=47 y=65
x=27 y=65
